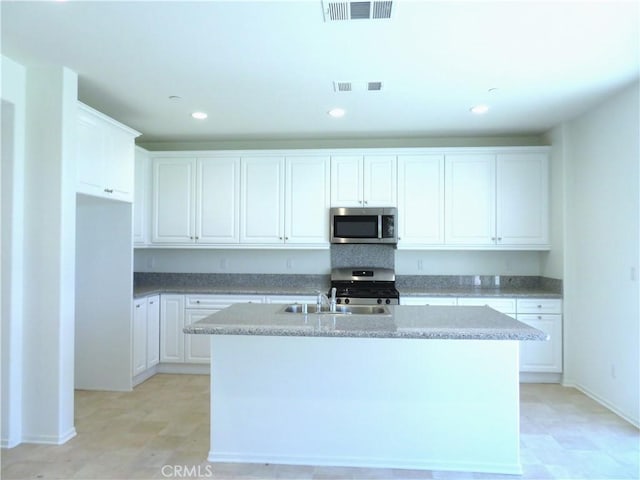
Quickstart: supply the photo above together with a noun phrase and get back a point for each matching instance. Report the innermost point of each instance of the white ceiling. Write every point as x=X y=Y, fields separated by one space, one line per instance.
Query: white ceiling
x=265 y=69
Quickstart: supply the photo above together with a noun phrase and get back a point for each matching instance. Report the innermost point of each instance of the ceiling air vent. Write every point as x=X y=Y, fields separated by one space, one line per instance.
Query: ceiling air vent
x=342 y=86
x=374 y=86
x=356 y=10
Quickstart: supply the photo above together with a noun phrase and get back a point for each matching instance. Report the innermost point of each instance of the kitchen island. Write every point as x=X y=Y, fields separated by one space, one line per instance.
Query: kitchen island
x=421 y=388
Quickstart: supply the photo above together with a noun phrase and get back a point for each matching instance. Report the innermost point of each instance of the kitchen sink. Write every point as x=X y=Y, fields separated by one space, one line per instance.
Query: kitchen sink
x=340 y=309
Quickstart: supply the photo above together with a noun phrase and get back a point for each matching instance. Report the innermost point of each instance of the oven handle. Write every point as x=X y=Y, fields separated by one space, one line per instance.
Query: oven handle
x=380 y=227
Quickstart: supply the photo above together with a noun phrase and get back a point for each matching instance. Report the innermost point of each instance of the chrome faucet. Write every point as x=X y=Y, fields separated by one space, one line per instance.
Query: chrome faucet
x=322 y=298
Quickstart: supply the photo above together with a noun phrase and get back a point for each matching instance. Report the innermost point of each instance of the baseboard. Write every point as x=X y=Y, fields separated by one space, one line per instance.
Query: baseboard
x=605 y=403
x=185 y=368
x=6 y=443
x=50 y=439
x=535 y=377
x=146 y=375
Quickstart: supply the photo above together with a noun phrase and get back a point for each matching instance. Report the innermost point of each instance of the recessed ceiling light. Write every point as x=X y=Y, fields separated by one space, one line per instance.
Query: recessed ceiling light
x=479 y=109
x=337 y=112
x=175 y=98
x=199 y=115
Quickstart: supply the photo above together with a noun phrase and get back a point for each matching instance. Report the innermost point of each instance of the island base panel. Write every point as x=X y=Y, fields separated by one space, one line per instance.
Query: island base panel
x=366 y=402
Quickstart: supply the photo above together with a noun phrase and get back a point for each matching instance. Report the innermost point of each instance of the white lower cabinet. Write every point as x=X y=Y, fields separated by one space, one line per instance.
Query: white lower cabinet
x=545 y=315
x=146 y=333
x=180 y=310
x=541 y=313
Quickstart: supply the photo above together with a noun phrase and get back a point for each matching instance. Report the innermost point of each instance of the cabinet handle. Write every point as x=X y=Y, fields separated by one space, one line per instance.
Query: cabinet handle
x=360 y=202
x=138 y=306
x=191 y=238
x=366 y=202
x=197 y=301
x=108 y=190
x=539 y=306
x=280 y=238
x=499 y=239
x=286 y=238
x=197 y=238
x=151 y=303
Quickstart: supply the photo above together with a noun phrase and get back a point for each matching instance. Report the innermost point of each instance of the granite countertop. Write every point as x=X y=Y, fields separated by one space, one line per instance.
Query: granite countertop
x=410 y=322
x=276 y=284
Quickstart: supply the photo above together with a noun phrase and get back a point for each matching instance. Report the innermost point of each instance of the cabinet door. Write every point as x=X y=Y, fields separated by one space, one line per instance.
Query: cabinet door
x=173 y=200
x=218 y=200
x=171 y=325
x=522 y=208
x=542 y=356
x=421 y=200
x=380 y=181
x=90 y=154
x=140 y=201
x=153 y=330
x=470 y=199
x=307 y=200
x=347 y=181
x=139 y=336
x=197 y=347
x=262 y=206
x=119 y=164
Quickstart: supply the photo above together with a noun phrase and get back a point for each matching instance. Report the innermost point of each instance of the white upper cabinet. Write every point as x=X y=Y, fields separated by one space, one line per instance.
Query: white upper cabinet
x=285 y=200
x=195 y=200
x=104 y=156
x=497 y=200
x=420 y=200
x=174 y=197
x=456 y=199
x=141 y=197
x=218 y=200
x=364 y=181
x=522 y=209
x=307 y=200
x=470 y=199
x=262 y=206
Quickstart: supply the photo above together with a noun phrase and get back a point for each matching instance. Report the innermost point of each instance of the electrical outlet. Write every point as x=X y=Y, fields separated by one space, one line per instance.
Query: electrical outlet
x=419 y=264
x=224 y=263
x=289 y=263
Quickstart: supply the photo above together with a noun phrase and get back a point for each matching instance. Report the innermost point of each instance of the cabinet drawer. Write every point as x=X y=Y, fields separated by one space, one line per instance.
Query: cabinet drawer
x=504 y=305
x=539 y=305
x=219 y=301
x=428 y=301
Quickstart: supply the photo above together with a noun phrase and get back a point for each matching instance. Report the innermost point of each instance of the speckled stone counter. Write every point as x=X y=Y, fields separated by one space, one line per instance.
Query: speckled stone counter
x=408 y=285
x=412 y=322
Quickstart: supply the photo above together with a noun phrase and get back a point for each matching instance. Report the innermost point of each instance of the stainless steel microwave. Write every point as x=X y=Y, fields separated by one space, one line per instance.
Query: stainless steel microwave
x=364 y=225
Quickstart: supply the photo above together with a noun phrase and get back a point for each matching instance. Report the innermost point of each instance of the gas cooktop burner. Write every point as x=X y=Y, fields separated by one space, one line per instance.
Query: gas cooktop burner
x=365 y=286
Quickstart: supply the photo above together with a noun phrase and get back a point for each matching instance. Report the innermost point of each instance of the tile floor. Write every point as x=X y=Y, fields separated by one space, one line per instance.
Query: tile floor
x=161 y=430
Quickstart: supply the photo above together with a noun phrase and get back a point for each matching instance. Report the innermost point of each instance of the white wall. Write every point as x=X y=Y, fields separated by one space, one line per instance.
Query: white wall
x=602 y=298
x=40 y=394
x=103 y=294
x=49 y=262
x=552 y=262
x=13 y=145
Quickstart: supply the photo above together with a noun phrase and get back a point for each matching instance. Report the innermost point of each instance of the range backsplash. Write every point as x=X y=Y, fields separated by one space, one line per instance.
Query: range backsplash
x=363 y=255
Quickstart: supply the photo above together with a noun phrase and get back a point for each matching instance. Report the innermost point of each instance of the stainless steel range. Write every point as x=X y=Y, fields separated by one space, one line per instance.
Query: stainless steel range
x=365 y=286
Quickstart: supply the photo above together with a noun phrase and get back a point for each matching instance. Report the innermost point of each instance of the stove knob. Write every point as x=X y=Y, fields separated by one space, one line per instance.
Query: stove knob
x=388 y=301
x=338 y=300
x=379 y=301
x=346 y=300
